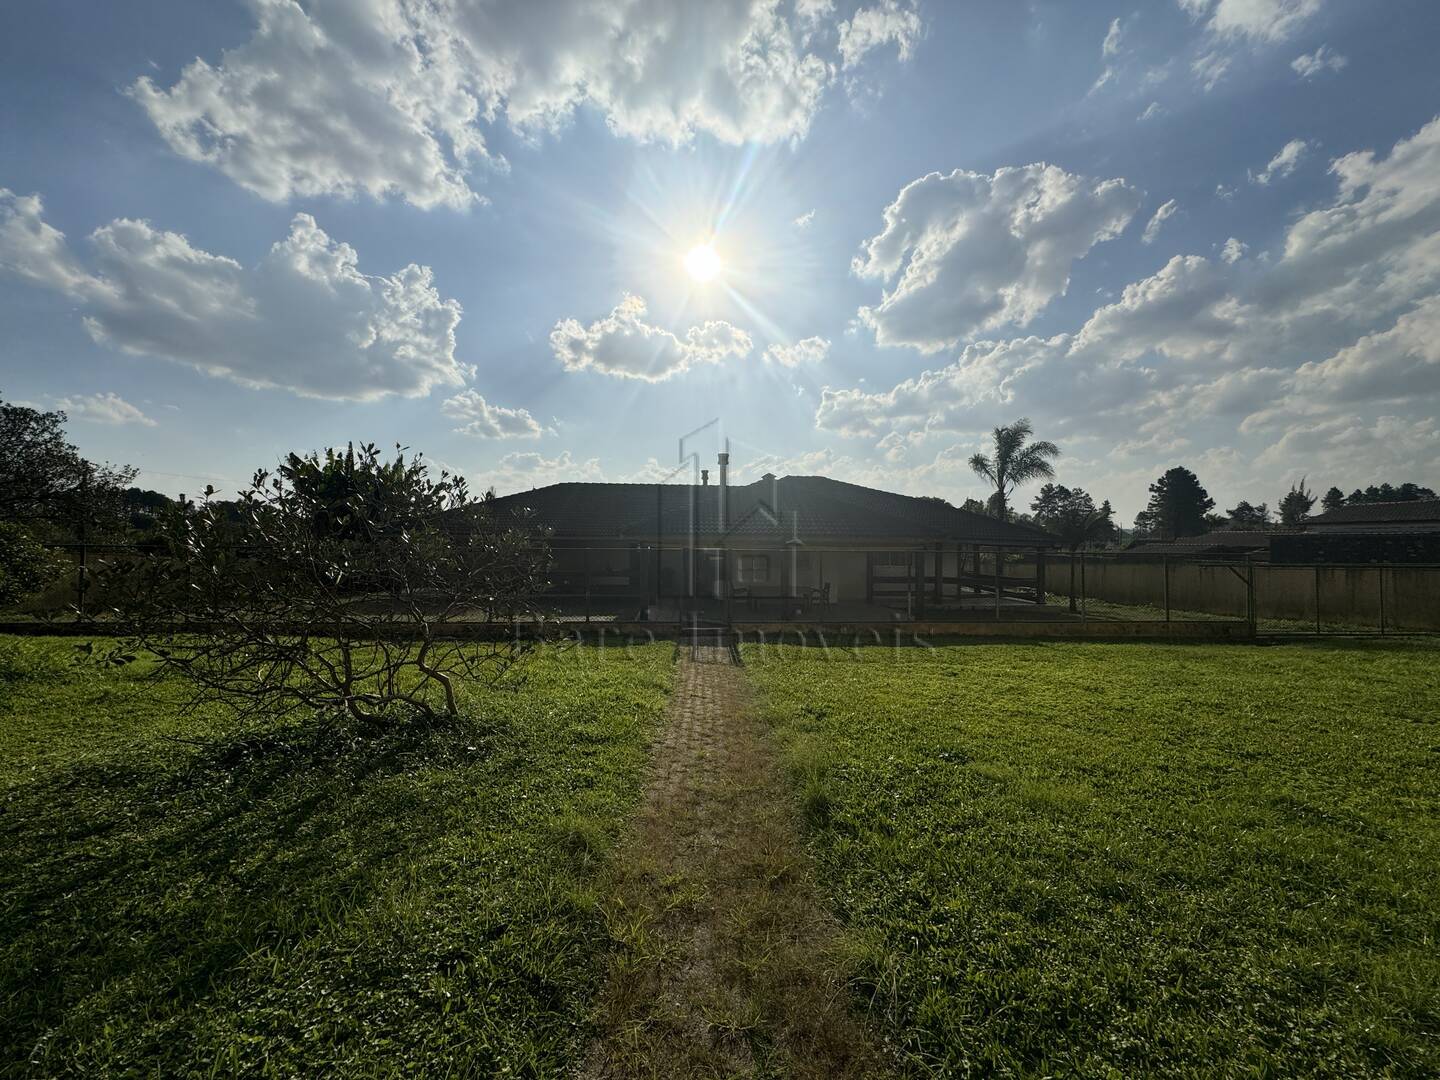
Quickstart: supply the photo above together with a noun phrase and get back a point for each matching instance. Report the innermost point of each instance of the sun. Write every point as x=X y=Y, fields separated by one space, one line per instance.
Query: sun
x=702 y=263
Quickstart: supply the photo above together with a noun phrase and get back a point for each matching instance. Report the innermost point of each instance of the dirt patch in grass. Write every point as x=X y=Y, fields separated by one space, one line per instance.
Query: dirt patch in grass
x=726 y=961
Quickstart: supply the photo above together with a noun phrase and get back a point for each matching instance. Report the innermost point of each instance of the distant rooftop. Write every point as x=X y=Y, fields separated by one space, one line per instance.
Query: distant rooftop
x=812 y=509
x=1412 y=510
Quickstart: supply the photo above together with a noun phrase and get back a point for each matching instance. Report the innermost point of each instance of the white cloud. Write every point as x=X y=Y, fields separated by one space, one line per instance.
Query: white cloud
x=1152 y=111
x=1210 y=68
x=623 y=344
x=487 y=421
x=1399 y=364
x=891 y=21
x=1152 y=227
x=1323 y=59
x=1233 y=24
x=394 y=97
x=805 y=220
x=1111 y=45
x=1283 y=163
x=1334 y=337
x=969 y=252
x=1254 y=20
x=1109 y=51
x=303 y=319
x=33 y=250
x=521 y=470
x=809 y=350
x=107 y=408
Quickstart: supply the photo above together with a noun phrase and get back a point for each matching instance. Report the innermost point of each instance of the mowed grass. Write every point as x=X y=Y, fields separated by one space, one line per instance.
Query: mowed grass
x=1121 y=860
x=417 y=899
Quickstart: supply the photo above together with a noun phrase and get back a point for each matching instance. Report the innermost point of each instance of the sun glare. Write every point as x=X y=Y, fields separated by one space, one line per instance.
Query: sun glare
x=702 y=263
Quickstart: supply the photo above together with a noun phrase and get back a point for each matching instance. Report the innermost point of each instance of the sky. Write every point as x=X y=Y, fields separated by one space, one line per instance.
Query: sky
x=1183 y=232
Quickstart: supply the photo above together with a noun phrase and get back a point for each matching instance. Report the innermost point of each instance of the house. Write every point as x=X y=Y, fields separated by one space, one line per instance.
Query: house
x=1218 y=544
x=1379 y=532
x=791 y=544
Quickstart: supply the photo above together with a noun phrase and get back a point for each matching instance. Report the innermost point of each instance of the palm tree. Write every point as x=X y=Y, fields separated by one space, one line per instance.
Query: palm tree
x=1014 y=463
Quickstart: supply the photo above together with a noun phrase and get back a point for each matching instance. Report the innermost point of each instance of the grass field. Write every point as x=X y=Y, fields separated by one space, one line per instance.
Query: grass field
x=1122 y=860
x=373 y=903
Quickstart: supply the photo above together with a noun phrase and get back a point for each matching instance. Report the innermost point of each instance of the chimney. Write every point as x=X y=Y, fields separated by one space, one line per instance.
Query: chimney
x=704 y=477
x=724 y=485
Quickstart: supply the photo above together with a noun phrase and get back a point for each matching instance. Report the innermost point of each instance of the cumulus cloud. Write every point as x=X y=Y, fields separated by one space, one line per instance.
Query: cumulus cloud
x=106 y=408
x=1152 y=227
x=805 y=220
x=1337 y=335
x=1283 y=163
x=1323 y=59
x=1152 y=111
x=809 y=350
x=969 y=252
x=521 y=470
x=303 y=319
x=486 y=421
x=871 y=28
x=390 y=97
x=623 y=344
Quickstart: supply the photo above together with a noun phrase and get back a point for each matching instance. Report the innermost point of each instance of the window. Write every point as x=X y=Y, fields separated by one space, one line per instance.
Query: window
x=894 y=558
x=752 y=569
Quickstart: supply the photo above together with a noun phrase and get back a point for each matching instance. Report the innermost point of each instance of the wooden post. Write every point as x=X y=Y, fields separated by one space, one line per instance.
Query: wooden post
x=1082 y=584
x=939 y=573
x=1165 y=565
x=917 y=563
x=998 y=552
x=1381 y=570
x=587 y=584
x=1317 y=598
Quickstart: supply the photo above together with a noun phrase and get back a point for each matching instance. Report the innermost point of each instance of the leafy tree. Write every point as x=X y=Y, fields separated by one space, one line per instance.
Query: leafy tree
x=974 y=506
x=1295 y=506
x=1386 y=493
x=1014 y=461
x=1333 y=500
x=1246 y=517
x=1178 y=505
x=326 y=586
x=1071 y=514
x=43 y=478
x=26 y=566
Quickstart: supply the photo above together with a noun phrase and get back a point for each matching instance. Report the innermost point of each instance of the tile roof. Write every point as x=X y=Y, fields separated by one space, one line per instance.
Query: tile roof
x=1416 y=510
x=1219 y=542
x=813 y=509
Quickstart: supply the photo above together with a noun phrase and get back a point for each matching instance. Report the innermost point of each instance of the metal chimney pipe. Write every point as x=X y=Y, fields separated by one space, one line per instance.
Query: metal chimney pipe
x=724 y=486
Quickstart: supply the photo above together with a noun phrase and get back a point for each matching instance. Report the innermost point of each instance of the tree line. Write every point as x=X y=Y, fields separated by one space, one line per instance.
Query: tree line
x=1179 y=505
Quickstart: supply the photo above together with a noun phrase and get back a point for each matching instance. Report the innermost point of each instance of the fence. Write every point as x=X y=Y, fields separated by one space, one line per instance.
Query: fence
x=1311 y=598
x=738 y=583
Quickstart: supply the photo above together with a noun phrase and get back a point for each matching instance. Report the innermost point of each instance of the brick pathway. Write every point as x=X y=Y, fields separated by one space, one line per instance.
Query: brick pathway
x=724 y=966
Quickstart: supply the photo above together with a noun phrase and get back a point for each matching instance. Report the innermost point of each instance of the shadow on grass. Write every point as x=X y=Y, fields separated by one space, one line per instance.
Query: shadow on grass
x=172 y=867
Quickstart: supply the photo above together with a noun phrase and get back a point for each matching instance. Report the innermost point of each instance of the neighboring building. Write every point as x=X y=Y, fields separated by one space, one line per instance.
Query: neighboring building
x=1220 y=544
x=1416 y=515
x=804 y=538
x=1392 y=532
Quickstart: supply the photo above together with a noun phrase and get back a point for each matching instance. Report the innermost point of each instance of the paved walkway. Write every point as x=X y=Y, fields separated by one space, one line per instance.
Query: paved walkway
x=726 y=959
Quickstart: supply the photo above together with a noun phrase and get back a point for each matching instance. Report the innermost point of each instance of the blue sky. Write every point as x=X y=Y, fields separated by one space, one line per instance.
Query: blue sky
x=1204 y=232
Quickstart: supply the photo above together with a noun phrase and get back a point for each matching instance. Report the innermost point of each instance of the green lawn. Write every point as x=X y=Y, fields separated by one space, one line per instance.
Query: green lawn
x=1123 y=860
x=365 y=904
